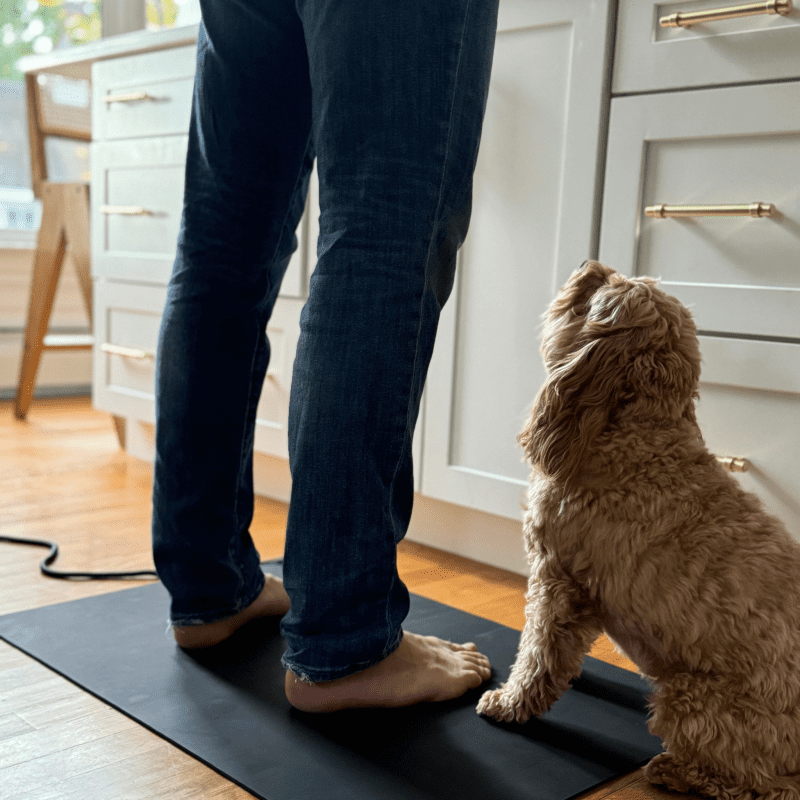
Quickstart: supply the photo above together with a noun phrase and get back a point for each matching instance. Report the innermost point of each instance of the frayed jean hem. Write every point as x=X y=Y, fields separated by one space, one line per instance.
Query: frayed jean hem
x=311 y=676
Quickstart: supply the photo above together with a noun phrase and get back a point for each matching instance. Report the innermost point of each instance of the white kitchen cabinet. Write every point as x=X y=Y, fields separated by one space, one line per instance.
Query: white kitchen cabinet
x=141 y=107
x=750 y=408
x=738 y=275
x=127 y=318
x=136 y=202
x=534 y=221
x=146 y=94
x=714 y=146
x=703 y=115
x=649 y=56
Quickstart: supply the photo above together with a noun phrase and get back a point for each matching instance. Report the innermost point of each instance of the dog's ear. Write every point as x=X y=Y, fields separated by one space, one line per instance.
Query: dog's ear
x=612 y=346
x=574 y=406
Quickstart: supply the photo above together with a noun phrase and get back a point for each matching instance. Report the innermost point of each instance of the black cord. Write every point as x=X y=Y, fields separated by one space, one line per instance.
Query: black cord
x=77 y=576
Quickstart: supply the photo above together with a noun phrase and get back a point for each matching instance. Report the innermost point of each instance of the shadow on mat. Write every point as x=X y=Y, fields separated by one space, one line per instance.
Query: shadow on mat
x=441 y=749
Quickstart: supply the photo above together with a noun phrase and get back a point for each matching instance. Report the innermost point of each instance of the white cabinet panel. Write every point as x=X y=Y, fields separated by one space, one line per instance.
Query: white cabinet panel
x=304 y=259
x=145 y=174
x=649 y=56
x=722 y=146
x=272 y=416
x=763 y=428
x=165 y=78
x=774 y=366
x=127 y=318
x=533 y=223
x=294 y=280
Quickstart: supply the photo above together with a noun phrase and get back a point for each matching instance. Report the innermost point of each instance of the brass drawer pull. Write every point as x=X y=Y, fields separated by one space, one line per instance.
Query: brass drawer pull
x=733 y=463
x=746 y=210
x=130 y=97
x=686 y=19
x=127 y=211
x=126 y=352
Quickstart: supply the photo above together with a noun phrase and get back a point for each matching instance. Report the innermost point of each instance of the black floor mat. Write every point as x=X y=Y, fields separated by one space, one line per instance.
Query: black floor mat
x=226 y=707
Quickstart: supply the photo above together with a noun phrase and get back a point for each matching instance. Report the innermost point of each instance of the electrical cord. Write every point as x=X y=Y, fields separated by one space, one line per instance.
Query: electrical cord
x=44 y=566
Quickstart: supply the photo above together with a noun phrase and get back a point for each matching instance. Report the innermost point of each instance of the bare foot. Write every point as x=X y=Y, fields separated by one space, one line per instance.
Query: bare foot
x=423 y=669
x=272 y=602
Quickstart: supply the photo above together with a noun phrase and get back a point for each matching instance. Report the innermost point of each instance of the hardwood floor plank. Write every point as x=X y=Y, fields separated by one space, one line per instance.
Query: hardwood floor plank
x=52 y=768
x=162 y=773
x=71 y=707
x=12 y=726
x=63 y=735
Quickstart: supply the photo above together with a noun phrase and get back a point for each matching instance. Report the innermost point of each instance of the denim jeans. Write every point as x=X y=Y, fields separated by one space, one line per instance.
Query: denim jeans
x=389 y=97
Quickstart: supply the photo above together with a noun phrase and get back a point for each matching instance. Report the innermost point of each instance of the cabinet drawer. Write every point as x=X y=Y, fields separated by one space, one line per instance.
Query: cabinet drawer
x=136 y=205
x=127 y=321
x=750 y=408
x=149 y=94
x=722 y=146
x=649 y=56
x=127 y=318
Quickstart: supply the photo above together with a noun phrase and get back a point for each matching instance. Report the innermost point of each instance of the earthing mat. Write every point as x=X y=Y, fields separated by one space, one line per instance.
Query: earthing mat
x=226 y=707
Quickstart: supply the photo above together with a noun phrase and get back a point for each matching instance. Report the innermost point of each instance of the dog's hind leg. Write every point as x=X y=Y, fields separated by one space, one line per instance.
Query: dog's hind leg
x=679 y=776
x=560 y=626
x=684 y=776
x=722 y=742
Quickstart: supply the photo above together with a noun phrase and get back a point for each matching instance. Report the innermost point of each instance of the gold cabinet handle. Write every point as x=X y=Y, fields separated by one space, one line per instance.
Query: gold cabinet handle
x=745 y=210
x=130 y=97
x=126 y=352
x=733 y=463
x=685 y=19
x=127 y=211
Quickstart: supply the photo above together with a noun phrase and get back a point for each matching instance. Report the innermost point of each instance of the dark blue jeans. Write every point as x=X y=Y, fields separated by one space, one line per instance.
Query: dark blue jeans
x=389 y=96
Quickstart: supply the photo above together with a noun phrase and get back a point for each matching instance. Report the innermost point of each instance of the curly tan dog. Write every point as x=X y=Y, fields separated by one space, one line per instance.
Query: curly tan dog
x=633 y=529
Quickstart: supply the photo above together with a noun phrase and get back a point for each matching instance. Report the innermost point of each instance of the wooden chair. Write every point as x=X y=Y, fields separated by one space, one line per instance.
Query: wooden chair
x=65 y=224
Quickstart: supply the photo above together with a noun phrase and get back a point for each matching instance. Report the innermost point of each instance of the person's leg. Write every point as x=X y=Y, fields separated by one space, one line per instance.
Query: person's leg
x=399 y=92
x=249 y=158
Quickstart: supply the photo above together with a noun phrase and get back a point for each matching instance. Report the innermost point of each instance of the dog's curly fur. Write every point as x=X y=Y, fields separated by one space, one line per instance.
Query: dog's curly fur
x=634 y=530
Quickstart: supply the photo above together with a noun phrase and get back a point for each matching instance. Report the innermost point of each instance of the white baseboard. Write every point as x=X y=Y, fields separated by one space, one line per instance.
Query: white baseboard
x=472 y=534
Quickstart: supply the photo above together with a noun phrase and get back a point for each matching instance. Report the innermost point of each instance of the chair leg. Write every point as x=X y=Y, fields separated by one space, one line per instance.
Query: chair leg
x=76 y=224
x=50 y=250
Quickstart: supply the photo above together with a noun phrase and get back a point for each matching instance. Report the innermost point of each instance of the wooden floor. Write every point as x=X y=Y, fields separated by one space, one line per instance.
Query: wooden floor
x=63 y=477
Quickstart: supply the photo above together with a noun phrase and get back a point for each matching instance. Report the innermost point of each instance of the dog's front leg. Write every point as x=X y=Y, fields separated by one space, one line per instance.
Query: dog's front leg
x=560 y=627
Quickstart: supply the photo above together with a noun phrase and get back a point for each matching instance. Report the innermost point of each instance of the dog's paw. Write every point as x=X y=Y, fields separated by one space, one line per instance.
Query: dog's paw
x=665 y=770
x=506 y=705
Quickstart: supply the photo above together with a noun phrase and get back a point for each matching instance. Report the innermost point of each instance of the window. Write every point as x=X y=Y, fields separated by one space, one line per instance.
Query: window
x=29 y=27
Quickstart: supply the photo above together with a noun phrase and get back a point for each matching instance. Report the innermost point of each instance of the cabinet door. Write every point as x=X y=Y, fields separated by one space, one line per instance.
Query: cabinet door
x=533 y=223
x=731 y=146
x=750 y=408
x=127 y=319
x=136 y=204
x=650 y=55
x=146 y=94
x=738 y=275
